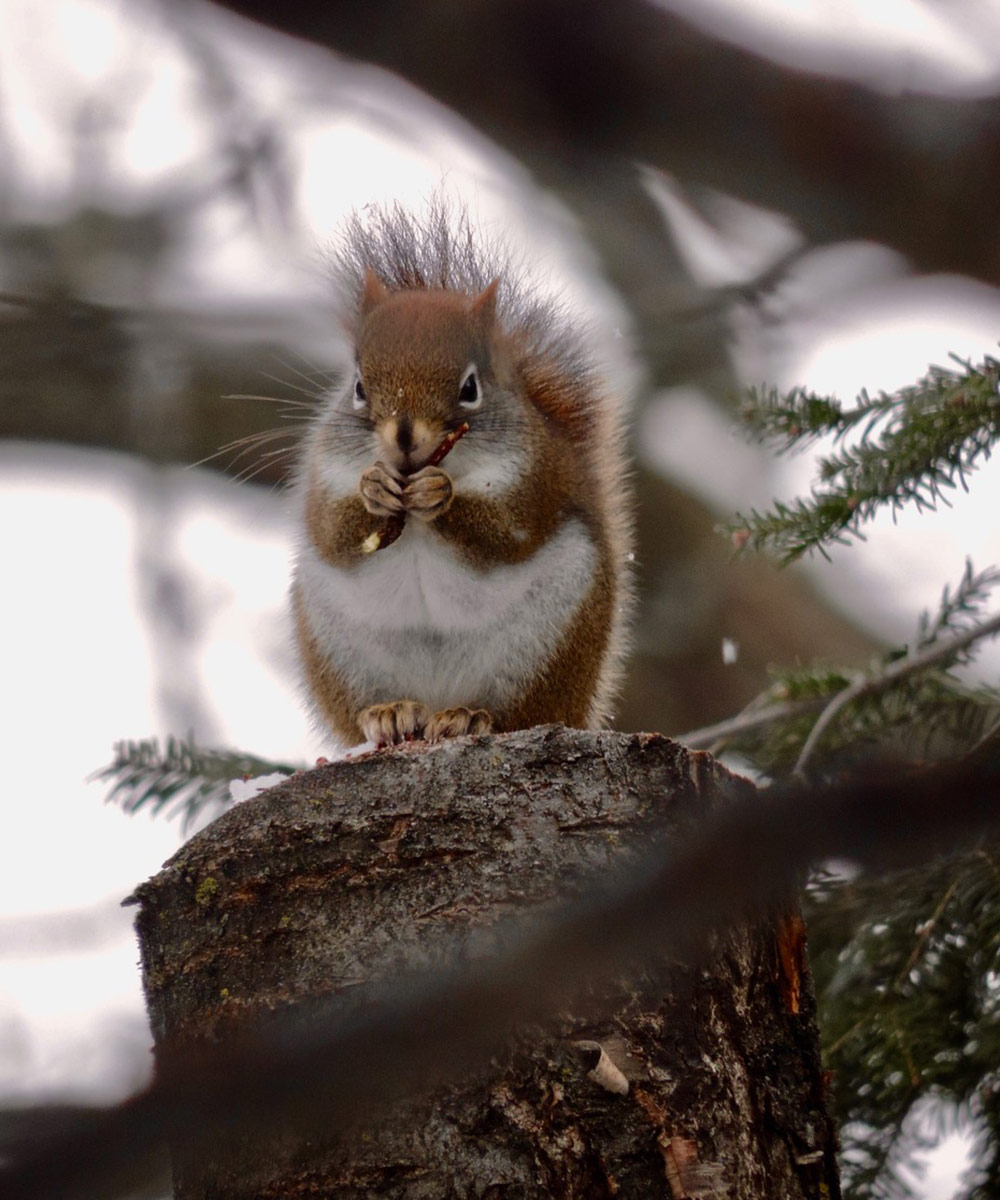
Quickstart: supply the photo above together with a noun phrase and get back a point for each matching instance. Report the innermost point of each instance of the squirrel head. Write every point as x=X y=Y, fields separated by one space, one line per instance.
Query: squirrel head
x=427 y=361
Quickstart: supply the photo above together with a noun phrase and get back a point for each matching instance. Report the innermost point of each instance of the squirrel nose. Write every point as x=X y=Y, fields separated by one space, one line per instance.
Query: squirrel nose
x=404 y=434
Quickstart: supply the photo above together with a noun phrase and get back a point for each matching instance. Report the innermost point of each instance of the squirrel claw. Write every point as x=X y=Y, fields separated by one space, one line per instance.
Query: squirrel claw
x=453 y=722
x=390 y=724
x=381 y=490
x=428 y=493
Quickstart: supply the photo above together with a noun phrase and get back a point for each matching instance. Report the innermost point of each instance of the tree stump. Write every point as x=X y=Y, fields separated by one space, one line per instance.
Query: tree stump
x=677 y=1081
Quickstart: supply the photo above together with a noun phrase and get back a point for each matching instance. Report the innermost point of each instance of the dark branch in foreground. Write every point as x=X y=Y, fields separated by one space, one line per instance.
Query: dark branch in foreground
x=430 y=1029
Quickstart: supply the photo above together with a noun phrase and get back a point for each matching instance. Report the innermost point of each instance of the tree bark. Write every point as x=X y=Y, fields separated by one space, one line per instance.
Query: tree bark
x=669 y=1080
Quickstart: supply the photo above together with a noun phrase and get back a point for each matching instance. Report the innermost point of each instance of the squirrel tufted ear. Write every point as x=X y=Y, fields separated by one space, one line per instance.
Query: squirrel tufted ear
x=484 y=308
x=373 y=292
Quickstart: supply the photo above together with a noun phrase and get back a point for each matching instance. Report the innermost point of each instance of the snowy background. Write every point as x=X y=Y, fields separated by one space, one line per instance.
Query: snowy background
x=84 y=665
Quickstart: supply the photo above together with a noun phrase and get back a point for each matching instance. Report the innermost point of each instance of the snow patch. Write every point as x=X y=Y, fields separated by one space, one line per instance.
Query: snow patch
x=246 y=789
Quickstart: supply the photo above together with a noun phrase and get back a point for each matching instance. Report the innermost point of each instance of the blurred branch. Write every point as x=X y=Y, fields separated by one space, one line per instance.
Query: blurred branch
x=682 y=328
x=988 y=744
x=748 y=291
x=432 y=1028
x=887 y=677
x=631 y=82
x=751 y=718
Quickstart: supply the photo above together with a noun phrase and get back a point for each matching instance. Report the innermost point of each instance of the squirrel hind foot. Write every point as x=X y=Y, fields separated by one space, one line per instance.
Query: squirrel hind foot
x=390 y=724
x=454 y=722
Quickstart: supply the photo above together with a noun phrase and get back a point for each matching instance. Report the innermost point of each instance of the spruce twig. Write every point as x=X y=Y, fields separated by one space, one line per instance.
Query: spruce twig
x=906 y=690
x=893 y=673
x=180 y=774
x=914 y=953
x=905 y=967
x=751 y=718
x=912 y=447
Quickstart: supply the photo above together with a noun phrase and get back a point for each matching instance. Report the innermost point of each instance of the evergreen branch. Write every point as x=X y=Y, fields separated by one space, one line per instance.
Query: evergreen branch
x=903 y=693
x=913 y=446
x=911 y=953
x=924 y=935
x=798 y=416
x=905 y=971
x=190 y=776
x=931 y=714
x=750 y=719
x=866 y=685
x=956 y=609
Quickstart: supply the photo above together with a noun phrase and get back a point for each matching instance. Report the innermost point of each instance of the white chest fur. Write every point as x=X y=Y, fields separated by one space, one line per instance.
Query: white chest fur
x=413 y=622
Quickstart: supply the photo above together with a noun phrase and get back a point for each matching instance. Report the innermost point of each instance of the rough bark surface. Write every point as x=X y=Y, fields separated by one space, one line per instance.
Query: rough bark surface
x=359 y=871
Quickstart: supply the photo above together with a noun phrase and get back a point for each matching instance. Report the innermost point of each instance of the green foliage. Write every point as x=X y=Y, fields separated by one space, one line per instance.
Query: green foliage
x=959 y=610
x=181 y=778
x=924 y=710
x=907 y=968
x=911 y=447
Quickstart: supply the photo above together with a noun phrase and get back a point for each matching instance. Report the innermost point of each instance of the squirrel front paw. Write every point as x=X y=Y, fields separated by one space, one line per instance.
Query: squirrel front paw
x=453 y=722
x=388 y=724
x=381 y=490
x=428 y=493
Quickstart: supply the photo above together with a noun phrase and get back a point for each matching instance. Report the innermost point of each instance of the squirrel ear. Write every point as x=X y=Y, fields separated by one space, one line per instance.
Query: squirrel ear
x=373 y=292
x=484 y=308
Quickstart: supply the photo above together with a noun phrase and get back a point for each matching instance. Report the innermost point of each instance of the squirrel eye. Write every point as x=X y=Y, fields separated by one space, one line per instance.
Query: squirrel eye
x=469 y=395
x=360 y=399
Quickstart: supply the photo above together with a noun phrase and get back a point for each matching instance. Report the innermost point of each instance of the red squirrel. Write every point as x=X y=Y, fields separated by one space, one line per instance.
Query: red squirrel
x=491 y=591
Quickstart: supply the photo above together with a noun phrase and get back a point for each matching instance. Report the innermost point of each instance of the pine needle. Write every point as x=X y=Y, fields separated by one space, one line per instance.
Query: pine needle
x=181 y=778
x=911 y=447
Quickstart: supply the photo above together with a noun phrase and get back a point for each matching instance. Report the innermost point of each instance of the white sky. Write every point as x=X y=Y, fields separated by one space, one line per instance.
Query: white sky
x=73 y=642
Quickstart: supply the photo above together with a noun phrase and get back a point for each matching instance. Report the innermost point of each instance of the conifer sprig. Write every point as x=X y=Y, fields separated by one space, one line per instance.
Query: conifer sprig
x=181 y=777
x=912 y=447
x=908 y=700
x=959 y=610
x=903 y=969
x=906 y=968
